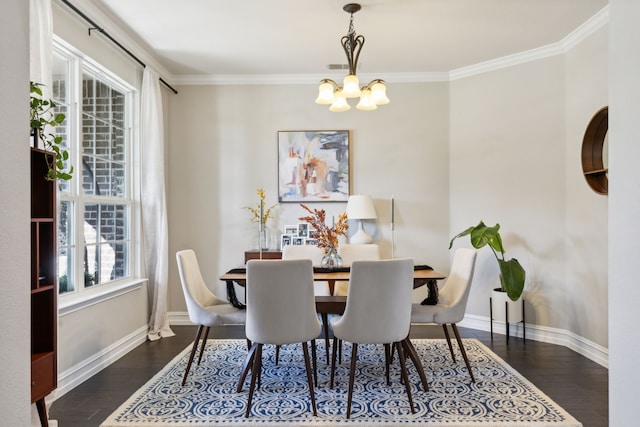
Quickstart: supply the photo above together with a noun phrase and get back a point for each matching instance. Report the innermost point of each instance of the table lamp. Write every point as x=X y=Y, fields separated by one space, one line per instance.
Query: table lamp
x=360 y=207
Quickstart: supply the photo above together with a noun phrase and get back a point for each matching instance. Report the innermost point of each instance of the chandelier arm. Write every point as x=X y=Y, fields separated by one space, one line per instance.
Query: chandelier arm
x=333 y=83
x=359 y=43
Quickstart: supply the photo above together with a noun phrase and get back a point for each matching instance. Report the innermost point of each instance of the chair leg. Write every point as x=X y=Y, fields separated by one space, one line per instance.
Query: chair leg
x=446 y=334
x=410 y=350
x=277 y=354
x=325 y=326
x=307 y=365
x=204 y=342
x=388 y=349
x=333 y=360
x=405 y=377
x=352 y=374
x=247 y=365
x=314 y=358
x=463 y=351
x=196 y=340
x=256 y=370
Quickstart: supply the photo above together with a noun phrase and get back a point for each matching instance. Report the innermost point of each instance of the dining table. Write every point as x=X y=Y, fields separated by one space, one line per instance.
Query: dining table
x=335 y=304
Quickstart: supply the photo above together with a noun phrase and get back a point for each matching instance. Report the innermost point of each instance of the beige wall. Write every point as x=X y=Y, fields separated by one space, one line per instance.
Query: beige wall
x=516 y=136
x=223 y=146
x=587 y=237
x=15 y=245
x=624 y=211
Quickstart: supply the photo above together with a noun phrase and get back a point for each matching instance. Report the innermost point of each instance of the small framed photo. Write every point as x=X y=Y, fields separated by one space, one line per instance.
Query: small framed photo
x=291 y=229
x=311 y=242
x=313 y=234
x=285 y=240
x=303 y=229
x=298 y=241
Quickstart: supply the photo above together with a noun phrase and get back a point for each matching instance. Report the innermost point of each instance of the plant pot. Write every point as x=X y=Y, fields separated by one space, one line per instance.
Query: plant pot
x=513 y=311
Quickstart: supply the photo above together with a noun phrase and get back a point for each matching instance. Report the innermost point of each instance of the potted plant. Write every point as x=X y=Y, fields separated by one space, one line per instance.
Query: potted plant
x=43 y=119
x=512 y=275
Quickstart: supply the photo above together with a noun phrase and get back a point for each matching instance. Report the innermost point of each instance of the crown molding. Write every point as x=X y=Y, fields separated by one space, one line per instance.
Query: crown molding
x=291 y=79
x=592 y=25
x=585 y=30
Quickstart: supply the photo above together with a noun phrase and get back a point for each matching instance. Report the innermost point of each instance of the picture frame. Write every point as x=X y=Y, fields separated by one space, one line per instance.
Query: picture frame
x=313 y=166
x=311 y=242
x=291 y=229
x=298 y=241
x=285 y=240
x=303 y=229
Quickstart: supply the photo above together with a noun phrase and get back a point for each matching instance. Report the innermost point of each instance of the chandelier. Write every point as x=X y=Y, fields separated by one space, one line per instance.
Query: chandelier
x=371 y=95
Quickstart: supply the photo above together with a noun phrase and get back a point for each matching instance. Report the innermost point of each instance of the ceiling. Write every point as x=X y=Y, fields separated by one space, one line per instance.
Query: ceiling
x=301 y=37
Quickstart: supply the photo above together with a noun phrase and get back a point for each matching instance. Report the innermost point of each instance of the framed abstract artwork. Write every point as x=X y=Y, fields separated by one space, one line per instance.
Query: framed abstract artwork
x=313 y=166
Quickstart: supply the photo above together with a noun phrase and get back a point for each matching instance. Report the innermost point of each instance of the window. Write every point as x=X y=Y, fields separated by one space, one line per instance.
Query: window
x=95 y=206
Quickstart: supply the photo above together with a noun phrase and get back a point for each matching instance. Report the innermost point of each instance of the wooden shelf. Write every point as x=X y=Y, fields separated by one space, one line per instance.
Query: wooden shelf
x=44 y=279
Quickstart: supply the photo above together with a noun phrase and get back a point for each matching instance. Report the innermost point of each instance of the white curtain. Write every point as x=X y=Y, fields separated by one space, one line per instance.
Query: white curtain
x=153 y=204
x=40 y=44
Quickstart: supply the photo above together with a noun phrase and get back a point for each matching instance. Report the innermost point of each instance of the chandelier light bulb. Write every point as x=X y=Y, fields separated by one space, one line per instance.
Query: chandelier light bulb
x=366 y=101
x=379 y=93
x=339 y=103
x=325 y=93
x=351 y=86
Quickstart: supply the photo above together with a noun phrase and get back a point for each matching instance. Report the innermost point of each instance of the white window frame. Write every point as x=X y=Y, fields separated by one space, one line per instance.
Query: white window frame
x=83 y=296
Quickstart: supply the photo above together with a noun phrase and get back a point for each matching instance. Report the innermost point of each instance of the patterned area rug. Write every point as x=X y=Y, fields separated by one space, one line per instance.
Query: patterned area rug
x=500 y=396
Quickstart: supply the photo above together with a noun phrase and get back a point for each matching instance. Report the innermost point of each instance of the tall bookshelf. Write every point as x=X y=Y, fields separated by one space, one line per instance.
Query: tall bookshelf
x=44 y=313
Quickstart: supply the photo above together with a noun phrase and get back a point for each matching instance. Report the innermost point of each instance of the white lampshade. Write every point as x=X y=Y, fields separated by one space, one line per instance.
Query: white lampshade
x=325 y=93
x=351 y=86
x=379 y=93
x=339 y=102
x=361 y=207
x=366 y=101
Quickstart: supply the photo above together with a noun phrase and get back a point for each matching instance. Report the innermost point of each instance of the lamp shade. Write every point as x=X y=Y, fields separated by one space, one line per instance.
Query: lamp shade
x=339 y=102
x=325 y=93
x=361 y=207
x=379 y=93
x=351 y=86
x=366 y=101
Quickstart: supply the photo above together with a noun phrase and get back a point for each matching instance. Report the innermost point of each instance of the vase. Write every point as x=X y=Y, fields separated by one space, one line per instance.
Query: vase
x=264 y=239
x=331 y=259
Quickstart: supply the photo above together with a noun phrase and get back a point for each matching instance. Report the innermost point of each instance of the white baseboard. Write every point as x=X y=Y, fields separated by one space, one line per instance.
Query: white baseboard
x=583 y=346
x=180 y=318
x=79 y=373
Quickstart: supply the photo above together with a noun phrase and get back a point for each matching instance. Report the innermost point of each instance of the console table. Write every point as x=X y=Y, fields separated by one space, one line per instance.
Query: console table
x=267 y=254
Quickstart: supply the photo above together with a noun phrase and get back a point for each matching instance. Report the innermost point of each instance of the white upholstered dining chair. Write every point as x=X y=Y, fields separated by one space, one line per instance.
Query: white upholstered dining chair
x=452 y=301
x=351 y=253
x=281 y=310
x=311 y=252
x=204 y=307
x=378 y=311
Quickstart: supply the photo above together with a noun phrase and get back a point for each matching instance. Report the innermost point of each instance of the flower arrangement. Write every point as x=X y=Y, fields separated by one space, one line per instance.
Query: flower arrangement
x=327 y=236
x=258 y=214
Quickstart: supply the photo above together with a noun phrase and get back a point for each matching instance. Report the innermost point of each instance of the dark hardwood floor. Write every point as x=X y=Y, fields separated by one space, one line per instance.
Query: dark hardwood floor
x=576 y=383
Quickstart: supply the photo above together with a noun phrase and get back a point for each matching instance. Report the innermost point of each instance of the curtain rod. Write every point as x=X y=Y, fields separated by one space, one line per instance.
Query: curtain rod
x=104 y=33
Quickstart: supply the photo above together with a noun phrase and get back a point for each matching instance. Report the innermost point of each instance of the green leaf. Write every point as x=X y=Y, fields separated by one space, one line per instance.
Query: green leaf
x=464 y=233
x=512 y=277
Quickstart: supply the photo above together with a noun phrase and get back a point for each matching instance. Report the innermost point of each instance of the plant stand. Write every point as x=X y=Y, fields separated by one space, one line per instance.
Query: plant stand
x=517 y=313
